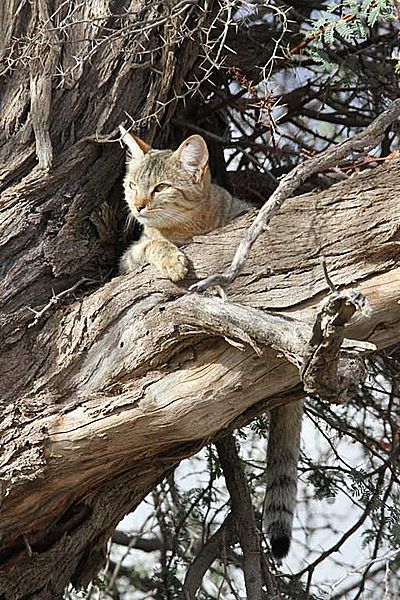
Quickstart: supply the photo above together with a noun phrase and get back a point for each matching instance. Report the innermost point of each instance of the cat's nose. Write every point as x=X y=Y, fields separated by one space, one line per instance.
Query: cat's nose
x=140 y=207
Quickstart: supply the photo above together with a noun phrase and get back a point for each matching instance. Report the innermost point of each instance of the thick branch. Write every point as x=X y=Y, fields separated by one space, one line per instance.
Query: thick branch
x=362 y=142
x=42 y=69
x=120 y=385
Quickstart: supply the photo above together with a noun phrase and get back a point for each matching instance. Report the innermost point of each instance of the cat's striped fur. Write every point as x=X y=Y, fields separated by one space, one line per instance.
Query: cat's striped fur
x=170 y=193
x=281 y=490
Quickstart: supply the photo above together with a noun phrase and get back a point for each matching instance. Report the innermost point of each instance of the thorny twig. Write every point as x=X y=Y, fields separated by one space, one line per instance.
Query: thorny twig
x=386 y=558
x=55 y=299
x=347 y=534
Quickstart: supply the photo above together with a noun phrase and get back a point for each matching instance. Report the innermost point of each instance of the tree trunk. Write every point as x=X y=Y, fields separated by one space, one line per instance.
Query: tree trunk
x=102 y=397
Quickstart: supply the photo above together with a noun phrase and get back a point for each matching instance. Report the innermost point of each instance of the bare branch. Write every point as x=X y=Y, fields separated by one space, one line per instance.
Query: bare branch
x=224 y=536
x=244 y=516
x=55 y=299
x=362 y=142
x=139 y=543
x=335 y=547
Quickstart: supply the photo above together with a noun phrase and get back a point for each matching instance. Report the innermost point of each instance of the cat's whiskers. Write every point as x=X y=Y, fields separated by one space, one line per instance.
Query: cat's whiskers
x=167 y=215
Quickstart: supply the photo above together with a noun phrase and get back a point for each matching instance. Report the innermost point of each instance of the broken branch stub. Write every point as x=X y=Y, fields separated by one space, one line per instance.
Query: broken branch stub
x=328 y=370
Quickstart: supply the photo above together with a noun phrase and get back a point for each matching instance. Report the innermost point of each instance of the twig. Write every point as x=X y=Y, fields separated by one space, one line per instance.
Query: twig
x=55 y=299
x=378 y=537
x=139 y=543
x=27 y=546
x=361 y=142
x=345 y=591
x=328 y=280
x=323 y=555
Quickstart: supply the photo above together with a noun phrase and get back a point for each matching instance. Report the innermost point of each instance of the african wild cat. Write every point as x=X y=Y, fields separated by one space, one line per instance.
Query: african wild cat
x=170 y=193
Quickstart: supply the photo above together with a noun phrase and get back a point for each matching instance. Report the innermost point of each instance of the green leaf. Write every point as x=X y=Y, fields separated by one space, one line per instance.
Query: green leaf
x=329 y=36
x=373 y=15
x=345 y=30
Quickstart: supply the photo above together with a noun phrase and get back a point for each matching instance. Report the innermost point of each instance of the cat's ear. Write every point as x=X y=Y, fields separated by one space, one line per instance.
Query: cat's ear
x=137 y=148
x=193 y=155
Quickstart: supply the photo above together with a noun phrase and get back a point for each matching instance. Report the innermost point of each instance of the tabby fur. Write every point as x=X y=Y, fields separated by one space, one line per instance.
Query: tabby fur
x=171 y=195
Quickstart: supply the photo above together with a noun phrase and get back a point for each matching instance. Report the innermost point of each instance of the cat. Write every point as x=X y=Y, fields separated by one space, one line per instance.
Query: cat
x=170 y=193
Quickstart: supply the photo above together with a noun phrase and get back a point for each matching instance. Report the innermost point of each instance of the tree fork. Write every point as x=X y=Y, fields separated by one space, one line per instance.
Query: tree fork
x=102 y=397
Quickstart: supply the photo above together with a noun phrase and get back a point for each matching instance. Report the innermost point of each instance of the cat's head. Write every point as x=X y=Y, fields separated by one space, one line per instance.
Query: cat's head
x=165 y=185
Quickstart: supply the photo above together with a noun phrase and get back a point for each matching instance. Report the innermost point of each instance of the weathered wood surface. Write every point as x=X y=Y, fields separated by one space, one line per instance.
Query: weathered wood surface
x=105 y=395
x=70 y=73
x=110 y=389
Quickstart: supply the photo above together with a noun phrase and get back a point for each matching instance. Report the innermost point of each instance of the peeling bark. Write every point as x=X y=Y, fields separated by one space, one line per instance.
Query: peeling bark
x=120 y=385
x=125 y=376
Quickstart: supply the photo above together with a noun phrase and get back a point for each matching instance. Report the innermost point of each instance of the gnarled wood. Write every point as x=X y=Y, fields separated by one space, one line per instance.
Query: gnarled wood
x=109 y=389
x=137 y=374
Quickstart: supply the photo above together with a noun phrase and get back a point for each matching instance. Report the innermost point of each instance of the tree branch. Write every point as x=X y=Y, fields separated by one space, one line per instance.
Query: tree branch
x=244 y=517
x=362 y=142
x=139 y=543
x=222 y=538
x=140 y=367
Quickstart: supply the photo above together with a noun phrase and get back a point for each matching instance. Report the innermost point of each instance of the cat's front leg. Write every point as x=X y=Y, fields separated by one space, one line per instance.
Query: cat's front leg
x=161 y=253
x=167 y=258
x=133 y=257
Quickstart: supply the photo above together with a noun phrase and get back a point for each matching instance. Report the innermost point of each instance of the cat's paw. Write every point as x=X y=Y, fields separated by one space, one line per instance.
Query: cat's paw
x=174 y=266
x=128 y=262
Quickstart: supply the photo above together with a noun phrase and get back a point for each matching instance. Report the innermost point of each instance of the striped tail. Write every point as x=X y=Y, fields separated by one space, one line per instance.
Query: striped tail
x=282 y=458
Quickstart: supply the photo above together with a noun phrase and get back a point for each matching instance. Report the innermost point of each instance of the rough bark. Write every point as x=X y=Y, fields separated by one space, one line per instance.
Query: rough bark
x=70 y=73
x=104 y=396
x=118 y=381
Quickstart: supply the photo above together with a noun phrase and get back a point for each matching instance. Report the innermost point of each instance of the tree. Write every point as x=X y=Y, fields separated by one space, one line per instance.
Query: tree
x=108 y=382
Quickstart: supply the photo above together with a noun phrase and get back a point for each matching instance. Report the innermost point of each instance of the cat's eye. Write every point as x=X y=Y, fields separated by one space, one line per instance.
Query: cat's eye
x=132 y=185
x=161 y=187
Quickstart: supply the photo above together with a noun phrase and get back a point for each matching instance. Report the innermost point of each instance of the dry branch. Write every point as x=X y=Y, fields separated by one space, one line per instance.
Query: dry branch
x=324 y=373
x=362 y=142
x=42 y=68
x=139 y=543
x=243 y=514
x=105 y=395
x=122 y=384
x=218 y=543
